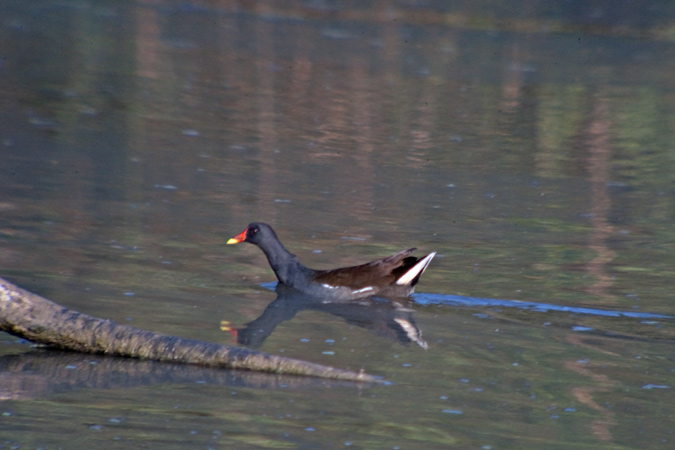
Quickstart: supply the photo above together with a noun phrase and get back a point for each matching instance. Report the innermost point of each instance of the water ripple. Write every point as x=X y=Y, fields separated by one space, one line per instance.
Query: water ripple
x=458 y=300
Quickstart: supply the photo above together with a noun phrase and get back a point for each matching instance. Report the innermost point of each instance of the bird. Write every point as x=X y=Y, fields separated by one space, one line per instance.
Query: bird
x=393 y=276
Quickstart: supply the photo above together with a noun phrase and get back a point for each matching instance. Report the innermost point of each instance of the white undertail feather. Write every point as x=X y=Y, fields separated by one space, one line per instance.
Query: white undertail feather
x=416 y=270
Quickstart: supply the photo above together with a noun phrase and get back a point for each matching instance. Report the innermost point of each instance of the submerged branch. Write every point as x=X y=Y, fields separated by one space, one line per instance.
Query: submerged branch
x=42 y=321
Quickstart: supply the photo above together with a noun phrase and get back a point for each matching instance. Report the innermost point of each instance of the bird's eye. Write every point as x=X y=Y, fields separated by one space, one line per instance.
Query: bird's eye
x=254 y=230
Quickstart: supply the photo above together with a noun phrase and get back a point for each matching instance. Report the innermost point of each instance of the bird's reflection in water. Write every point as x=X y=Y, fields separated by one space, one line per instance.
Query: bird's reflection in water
x=389 y=318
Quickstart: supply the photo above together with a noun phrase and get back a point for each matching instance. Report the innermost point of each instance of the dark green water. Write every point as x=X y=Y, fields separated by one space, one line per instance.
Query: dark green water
x=530 y=144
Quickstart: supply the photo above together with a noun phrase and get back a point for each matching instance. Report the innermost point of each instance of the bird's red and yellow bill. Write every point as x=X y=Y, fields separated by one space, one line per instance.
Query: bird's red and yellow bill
x=241 y=237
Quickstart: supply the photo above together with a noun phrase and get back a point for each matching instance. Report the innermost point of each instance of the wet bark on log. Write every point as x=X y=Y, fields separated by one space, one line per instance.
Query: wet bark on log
x=42 y=321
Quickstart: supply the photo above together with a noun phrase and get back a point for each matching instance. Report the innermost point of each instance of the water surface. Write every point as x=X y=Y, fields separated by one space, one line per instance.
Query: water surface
x=530 y=145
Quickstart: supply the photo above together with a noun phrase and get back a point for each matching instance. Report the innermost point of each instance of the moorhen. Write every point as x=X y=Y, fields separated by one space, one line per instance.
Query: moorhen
x=393 y=276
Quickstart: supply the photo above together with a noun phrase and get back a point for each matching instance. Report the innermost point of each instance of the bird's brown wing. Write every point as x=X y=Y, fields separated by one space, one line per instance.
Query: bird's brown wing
x=378 y=274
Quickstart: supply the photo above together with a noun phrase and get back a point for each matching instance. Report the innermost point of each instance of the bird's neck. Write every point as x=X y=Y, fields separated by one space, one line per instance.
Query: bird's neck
x=284 y=263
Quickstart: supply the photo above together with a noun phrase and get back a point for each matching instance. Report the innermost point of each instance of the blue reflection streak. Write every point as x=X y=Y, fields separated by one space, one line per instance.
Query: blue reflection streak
x=458 y=300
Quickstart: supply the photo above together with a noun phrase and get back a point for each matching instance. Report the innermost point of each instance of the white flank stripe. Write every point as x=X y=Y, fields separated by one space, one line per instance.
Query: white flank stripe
x=365 y=289
x=417 y=269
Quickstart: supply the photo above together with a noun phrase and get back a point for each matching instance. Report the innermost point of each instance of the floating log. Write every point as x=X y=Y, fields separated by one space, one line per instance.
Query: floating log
x=34 y=318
